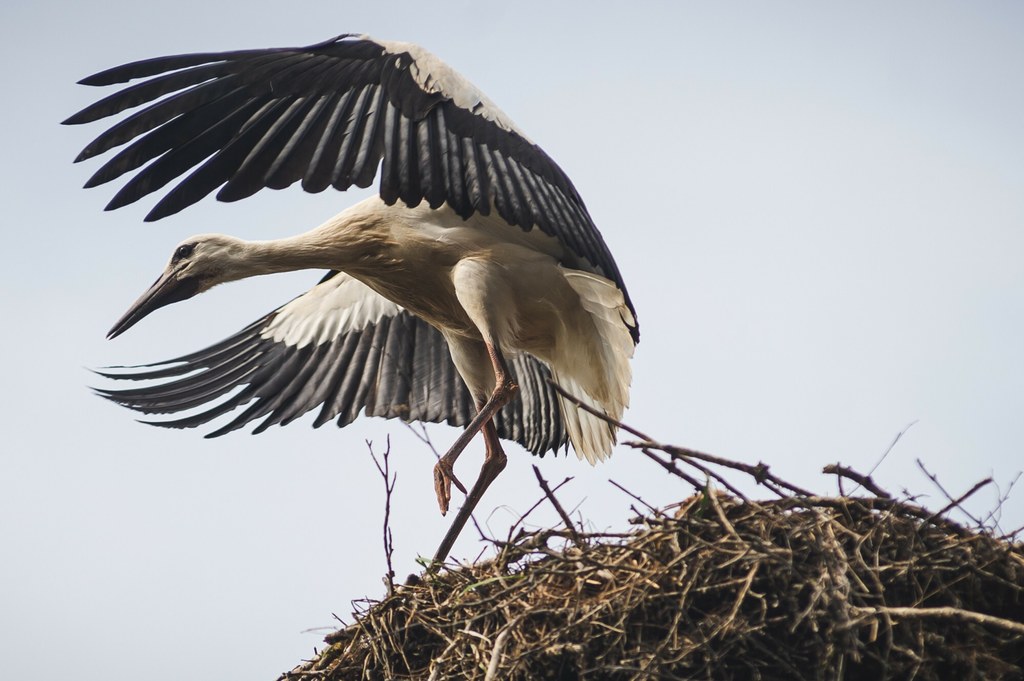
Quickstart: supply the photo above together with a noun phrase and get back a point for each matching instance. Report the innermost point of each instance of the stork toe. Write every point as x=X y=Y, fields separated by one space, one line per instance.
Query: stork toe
x=444 y=477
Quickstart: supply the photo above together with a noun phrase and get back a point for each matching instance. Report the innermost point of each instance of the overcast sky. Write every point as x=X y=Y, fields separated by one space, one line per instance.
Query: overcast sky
x=818 y=212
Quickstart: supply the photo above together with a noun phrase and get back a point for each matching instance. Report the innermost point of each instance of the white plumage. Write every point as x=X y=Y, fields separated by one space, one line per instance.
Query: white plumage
x=478 y=256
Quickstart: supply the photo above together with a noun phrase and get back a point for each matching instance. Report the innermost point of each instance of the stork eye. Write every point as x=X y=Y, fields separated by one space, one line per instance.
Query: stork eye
x=184 y=251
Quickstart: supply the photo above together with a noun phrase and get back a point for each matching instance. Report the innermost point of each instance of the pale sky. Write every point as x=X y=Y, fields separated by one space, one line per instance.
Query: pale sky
x=818 y=211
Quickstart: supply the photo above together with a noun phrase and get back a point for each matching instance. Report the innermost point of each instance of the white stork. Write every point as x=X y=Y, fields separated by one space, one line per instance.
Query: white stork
x=476 y=274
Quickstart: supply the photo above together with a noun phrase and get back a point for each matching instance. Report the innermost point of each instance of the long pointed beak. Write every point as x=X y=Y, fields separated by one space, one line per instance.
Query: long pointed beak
x=165 y=290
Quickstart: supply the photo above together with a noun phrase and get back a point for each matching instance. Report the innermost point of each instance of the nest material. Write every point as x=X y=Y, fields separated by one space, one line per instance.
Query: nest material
x=714 y=588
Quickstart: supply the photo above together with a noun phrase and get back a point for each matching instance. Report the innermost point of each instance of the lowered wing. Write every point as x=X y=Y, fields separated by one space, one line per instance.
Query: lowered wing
x=342 y=348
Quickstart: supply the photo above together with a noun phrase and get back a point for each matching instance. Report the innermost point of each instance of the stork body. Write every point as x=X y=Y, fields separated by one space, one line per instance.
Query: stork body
x=501 y=260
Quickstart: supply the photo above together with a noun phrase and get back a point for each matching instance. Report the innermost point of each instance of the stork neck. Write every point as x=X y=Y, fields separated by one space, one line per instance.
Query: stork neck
x=339 y=244
x=305 y=251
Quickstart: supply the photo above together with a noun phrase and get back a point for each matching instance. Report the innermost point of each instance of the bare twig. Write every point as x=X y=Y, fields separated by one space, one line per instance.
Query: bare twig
x=558 y=507
x=419 y=429
x=864 y=481
x=949 y=497
x=996 y=513
x=599 y=414
x=533 y=508
x=948 y=613
x=712 y=496
x=650 y=508
x=887 y=451
x=493 y=665
x=389 y=487
x=955 y=503
x=760 y=473
x=671 y=467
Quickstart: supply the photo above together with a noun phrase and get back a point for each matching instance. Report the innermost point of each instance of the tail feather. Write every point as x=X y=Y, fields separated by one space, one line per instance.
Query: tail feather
x=591 y=437
x=595 y=369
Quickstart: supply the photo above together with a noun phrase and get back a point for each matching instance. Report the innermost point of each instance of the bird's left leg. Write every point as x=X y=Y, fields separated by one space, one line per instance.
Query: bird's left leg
x=504 y=390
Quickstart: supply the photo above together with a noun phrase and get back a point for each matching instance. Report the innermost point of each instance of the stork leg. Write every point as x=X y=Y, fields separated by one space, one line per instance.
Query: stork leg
x=494 y=458
x=504 y=390
x=494 y=463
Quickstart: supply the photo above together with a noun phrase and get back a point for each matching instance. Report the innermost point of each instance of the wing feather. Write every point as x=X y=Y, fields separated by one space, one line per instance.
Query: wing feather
x=344 y=349
x=329 y=114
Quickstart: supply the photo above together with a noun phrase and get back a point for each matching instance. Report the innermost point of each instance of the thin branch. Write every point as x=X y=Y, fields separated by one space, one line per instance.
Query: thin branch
x=949 y=497
x=888 y=449
x=864 y=481
x=558 y=507
x=636 y=497
x=422 y=435
x=671 y=467
x=389 y=487
x=946 y=613
x=532 y=509
x=499 y=646
x=996 y=513
x=599 y=414
x=760 y=472
x=955 y=503
x=712 y=475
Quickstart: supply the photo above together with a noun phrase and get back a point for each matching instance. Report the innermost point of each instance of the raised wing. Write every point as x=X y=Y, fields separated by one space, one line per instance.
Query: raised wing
x=343 y=348
x=329 y=115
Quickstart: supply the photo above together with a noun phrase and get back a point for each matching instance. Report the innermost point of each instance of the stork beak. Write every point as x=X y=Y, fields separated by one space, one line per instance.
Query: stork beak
x=164 y=291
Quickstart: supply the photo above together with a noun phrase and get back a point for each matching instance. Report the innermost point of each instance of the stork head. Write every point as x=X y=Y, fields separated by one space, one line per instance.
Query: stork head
x=197 y=264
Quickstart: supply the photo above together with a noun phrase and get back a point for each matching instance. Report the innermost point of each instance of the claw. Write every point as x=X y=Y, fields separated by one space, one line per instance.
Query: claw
x=444 y=477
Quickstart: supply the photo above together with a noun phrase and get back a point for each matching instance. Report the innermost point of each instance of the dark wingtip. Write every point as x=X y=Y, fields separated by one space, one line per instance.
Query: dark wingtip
x=154 y=215
x=119 y=201
x=110 y=76
x=168 y=205
x=93 y=80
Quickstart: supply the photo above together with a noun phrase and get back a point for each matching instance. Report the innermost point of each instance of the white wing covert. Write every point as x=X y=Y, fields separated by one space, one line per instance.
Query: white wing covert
x=345 y=349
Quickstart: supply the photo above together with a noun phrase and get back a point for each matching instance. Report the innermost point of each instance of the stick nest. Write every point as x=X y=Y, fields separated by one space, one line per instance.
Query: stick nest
x=716 y=587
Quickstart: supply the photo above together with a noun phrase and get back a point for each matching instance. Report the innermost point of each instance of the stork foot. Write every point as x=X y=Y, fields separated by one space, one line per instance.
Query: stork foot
x=444 y=478
x=494 y=463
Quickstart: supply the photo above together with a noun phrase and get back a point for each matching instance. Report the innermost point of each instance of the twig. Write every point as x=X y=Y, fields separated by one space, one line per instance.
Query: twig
x=389 y=487
x=599 y=414
x=742 y=594
x=887 y=451
x=636 y=497
x=558 y=507
x=761 y=473
x=499 y=646
x=532 y=509
x=718 y=477
x=949 y=497
x=962 y=498
x=864 y=481
x=1012 y=534
x=1002 y=497
x=671 y=467
x=945 y=613
x=422 y=435
x=712 y=496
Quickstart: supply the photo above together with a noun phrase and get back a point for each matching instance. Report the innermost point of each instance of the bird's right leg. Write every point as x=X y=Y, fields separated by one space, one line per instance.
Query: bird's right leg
x=504 y=390
x=494 y=463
